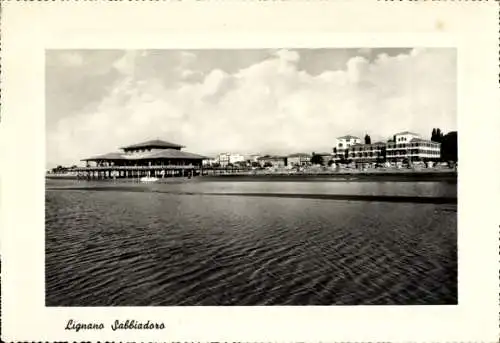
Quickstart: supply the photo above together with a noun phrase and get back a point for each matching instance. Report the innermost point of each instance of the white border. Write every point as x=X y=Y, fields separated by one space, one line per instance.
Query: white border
x=30 y=28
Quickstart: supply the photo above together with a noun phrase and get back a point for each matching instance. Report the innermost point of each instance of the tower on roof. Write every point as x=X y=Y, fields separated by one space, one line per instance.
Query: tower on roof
x=155 y=144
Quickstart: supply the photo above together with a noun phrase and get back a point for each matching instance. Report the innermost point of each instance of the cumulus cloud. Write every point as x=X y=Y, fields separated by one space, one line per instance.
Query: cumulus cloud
x=271 y=106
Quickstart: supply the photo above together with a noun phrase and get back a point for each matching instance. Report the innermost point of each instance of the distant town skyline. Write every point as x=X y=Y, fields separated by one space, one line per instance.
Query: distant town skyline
x=243 y=101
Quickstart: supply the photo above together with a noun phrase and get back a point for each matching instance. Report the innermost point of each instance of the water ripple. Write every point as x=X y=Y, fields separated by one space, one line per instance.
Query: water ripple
x=124 y=248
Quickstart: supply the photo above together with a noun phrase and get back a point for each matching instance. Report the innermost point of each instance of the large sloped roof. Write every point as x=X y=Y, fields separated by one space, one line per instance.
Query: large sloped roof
x=416 y=140
x=165 y=153
x=262 y=158
x=172 y=153
x=155 y=143
x=109 y=156
x=407 y=133
x=348 y=137
x=300 y=154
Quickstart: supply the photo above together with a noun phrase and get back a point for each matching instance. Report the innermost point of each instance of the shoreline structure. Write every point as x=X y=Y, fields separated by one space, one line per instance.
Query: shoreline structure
x=359 y=176
x=406 y=154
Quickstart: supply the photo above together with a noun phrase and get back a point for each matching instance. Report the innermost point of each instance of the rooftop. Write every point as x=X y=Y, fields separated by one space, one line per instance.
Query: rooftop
x=406 y=133
x=155 y=143
x=348 y=137
x=422 y=140
x=300 y=154
x=270 y=158
x=165 y=153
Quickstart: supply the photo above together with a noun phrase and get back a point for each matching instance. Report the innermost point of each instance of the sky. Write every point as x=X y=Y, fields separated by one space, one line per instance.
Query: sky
x=277 y=101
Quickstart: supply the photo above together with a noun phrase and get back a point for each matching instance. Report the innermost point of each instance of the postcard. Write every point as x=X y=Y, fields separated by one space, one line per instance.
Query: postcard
x=271 y=171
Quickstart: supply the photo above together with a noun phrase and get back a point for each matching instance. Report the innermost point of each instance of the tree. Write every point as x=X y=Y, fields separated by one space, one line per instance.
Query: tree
x=449 y=147
x=317 y=159
x=330 y=163
x=368 y=139
x=437 y=135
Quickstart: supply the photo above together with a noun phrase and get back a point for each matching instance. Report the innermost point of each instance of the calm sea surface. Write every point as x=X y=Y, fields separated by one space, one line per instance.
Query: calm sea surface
x=249 y=243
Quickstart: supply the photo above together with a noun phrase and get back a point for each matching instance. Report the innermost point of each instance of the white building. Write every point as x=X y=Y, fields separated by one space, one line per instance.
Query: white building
x=228 y=158
x=299 y=159
x=407 y=146
x=223 y=159
x=210 y=161
x=234 y=158
x=412 y=147
x=347 y=141
x=342 y=144
x=405 y=136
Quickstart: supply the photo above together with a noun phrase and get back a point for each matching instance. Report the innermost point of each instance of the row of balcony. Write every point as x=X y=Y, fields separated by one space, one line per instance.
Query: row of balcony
x=89 y=168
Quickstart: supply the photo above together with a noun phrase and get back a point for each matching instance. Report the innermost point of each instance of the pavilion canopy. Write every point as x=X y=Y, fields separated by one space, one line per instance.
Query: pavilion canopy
x=162 y=154
x=156 y=143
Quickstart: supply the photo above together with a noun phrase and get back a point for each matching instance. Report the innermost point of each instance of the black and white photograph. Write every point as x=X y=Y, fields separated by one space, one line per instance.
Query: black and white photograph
x=251 y=177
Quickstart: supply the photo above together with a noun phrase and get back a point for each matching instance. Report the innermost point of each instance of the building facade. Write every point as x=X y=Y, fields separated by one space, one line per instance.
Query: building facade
x=236 y=158
x=225 y=159
x=300 y=159
x=406 y=146
x=342 y=145
x=274 y=161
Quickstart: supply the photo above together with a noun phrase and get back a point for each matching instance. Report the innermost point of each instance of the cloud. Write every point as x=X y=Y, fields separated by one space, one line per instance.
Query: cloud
x=271 y=106
x=126 y=64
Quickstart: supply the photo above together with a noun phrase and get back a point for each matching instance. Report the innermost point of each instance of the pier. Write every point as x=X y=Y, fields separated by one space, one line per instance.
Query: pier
x=160 y=171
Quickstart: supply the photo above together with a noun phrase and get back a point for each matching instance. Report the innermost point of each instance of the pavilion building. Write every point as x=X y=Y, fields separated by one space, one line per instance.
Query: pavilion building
x=151 y=158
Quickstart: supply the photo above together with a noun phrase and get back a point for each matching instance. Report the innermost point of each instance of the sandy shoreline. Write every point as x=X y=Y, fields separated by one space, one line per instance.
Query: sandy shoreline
x=410 y=176
x=342 y=176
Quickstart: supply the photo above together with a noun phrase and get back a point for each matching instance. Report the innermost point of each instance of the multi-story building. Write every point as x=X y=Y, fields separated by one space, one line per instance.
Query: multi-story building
x=228 y=158
x=210 y=161
x=236 y=158
x=224 y=159
x=275 y=161
x=300 y=159
x=365 y=153
x=406 y=146
x=342 y=144
x=412 y=147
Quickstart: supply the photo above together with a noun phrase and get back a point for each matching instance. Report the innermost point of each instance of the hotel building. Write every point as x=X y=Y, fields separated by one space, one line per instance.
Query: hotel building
x=227 y=158
x=299 y=159
x=406 y=146
x=411 y=146
x=343 y=144
x=275 y=161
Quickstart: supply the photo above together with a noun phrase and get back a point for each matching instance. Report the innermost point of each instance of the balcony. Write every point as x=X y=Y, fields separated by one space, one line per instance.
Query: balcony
x=160 y=167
